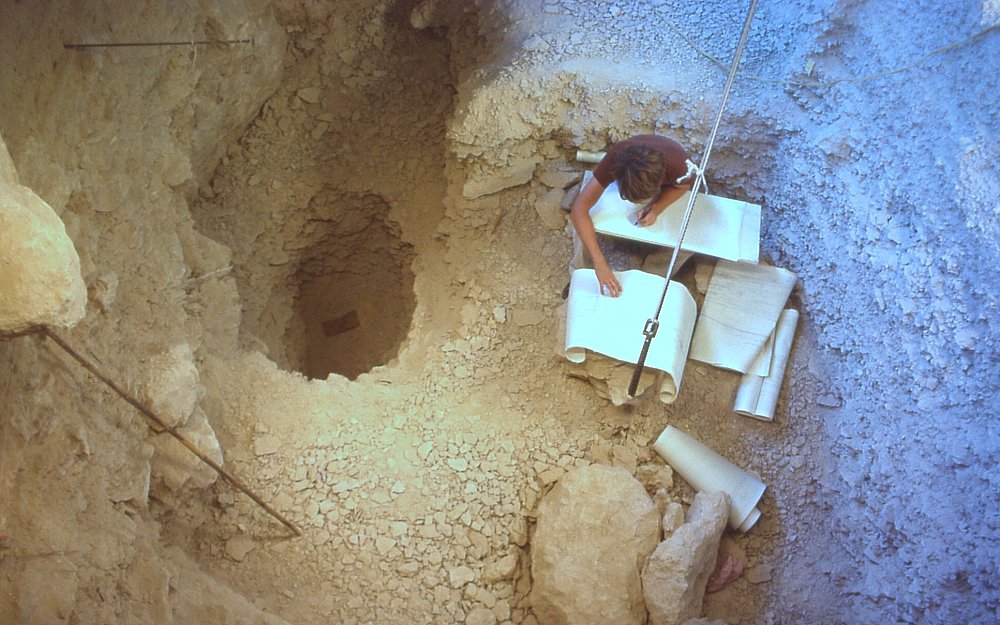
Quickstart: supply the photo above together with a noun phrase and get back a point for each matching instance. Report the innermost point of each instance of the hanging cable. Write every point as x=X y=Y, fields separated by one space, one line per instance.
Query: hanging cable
x=653 y=323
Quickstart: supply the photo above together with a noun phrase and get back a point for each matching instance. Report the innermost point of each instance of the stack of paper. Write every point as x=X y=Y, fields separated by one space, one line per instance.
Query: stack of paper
x=740 y=311
x=738 y=328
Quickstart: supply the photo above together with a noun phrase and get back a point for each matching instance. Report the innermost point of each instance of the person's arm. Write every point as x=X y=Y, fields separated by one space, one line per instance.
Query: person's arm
x=580 y=215
x=667 y=197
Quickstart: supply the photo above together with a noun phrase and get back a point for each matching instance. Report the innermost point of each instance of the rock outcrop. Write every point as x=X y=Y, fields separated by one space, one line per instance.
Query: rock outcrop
x=40 y=281
x=595 y=530
x=674 y=579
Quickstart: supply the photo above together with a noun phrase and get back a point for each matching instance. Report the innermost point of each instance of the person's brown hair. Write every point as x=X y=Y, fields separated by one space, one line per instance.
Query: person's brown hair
x=638 y=172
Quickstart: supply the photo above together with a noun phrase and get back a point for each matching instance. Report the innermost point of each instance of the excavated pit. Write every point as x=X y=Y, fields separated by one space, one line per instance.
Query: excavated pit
x=316 y=198
x=352 y=289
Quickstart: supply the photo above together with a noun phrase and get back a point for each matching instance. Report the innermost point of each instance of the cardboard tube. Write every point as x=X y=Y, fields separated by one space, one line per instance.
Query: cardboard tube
x=707 y=471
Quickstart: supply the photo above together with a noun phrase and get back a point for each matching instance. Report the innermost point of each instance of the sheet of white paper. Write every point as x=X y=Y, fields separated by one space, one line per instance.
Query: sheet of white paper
x=718 y=227
x=740 y=311
x=613 y=325
x=757 y=396
x=761 y=364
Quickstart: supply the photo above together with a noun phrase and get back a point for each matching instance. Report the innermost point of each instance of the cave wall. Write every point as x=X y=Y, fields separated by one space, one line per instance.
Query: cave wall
x=115 y=140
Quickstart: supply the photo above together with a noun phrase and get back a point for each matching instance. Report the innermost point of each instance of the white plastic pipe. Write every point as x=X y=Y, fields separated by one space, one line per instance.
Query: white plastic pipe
x=589 y=157
x=707 y=471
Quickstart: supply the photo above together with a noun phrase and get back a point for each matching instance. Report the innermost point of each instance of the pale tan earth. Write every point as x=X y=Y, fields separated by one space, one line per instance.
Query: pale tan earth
x=404 y=160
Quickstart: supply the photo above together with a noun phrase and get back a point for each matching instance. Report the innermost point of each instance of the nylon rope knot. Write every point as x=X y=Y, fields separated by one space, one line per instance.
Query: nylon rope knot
x=697 y=172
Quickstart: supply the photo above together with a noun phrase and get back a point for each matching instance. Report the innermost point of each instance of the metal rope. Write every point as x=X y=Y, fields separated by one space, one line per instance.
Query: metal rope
x=653 y=324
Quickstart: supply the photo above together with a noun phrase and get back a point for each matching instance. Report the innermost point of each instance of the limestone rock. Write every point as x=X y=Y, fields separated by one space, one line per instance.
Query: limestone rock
x=102 y=287
x=199 y=431
x=549 y=209
x=663 y=499
x=482 y=183
x=674 y=579
x=610 y=378
x=704 y=621
x=130 y=479
x=595 y=530
x=759 y=574
x=239 y=546
x=655 y=476
x=309 y=94
x=171 y=385
x=460 y=576
x=703 y=275
x=500 y=569
x=558 y=177
x=174 y=464
x=626 y=456
x=480 y=616
x=40 y=281
x=46 y=591
x=673 y=517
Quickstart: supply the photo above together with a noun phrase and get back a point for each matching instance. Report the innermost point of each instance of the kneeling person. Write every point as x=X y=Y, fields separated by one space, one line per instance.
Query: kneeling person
x=651 y=171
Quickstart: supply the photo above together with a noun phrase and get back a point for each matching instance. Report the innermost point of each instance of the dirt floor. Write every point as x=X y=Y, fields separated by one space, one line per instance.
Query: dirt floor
x=393 y=169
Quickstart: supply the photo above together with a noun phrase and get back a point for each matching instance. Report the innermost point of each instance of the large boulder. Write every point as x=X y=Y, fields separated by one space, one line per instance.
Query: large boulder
x=40 y=281
x=674 y=579
x=595 y=530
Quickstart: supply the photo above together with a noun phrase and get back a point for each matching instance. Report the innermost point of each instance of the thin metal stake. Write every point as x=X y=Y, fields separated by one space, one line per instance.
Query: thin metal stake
x=138 y=44
x=151 y=416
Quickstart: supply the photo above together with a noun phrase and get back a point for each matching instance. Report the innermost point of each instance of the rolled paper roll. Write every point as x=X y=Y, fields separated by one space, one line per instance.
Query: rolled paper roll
x=707 y=471
x=589 y=157
x=748 y=395
x=757 y=396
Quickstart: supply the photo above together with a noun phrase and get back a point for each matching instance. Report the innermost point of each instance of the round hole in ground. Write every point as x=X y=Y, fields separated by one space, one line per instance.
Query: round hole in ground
x=352 y=285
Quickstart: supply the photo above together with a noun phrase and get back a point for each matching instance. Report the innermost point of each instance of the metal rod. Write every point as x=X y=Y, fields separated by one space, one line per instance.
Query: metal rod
x=138 y=44
x=651 y=325
x=151 y=416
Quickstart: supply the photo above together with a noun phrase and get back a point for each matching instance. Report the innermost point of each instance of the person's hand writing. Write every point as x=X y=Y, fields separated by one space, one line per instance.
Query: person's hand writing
x=648 y=215
x=608 y=282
